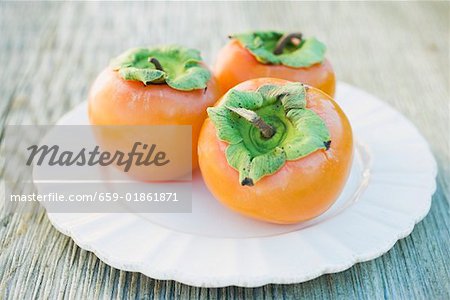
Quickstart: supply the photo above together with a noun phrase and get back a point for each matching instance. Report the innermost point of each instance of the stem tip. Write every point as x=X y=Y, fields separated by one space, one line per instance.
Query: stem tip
x=156 y=62
x=285 y=39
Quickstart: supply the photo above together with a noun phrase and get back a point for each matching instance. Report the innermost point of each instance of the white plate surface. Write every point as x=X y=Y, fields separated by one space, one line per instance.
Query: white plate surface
x=388 y=192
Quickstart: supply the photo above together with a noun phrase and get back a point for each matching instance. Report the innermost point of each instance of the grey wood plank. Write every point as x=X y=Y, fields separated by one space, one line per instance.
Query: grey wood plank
x=51 y=52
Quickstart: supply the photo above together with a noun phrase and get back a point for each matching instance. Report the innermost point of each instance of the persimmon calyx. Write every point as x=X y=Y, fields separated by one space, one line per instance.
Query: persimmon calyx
x=180 y=68
x=298 y=131
x=277 y=48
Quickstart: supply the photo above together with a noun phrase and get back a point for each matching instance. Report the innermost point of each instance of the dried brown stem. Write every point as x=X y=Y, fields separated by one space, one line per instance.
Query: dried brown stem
x=285 y=39
x=267 y=131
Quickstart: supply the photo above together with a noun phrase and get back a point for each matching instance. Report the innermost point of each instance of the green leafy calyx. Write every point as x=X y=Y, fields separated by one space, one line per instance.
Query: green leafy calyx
x=298 y=131
x=180 y=68
x=277 y=48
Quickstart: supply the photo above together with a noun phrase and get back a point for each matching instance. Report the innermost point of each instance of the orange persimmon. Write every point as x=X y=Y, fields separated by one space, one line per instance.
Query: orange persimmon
x=276 y=55
x=166 y=85
x=276 y=150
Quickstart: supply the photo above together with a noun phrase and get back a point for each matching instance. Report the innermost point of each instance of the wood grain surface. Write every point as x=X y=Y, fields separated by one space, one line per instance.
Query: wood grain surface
x=51 y=52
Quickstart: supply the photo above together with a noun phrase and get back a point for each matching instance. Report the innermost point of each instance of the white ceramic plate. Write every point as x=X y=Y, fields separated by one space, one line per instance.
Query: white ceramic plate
x=388 y=192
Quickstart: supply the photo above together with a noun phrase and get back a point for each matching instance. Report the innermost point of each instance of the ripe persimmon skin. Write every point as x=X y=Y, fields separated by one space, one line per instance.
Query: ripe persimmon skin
x=115 y=101
x=302 y=189
x=235 y=64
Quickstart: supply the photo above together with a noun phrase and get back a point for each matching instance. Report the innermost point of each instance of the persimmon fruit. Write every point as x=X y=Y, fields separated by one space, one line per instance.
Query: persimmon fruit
x=276 y=55
x=166 y=85
x=275 y=150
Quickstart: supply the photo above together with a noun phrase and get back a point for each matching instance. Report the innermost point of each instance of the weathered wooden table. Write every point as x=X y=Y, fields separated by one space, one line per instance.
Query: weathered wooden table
x=51 y=52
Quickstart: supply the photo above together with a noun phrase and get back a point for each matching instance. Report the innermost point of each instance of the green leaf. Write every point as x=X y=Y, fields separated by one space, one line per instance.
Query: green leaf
x=311 y=52
x=245 y=99
x=262 y=44
x=191 y=77
x=292 y=95
x=267 y=163
x=268 y=92
x=239 y=158
x=147 y=76
x=226 y=124
x=310 y=134
x=182 y=68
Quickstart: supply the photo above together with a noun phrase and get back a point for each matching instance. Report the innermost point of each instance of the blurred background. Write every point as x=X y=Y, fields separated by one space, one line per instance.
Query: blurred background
x=51 y=52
